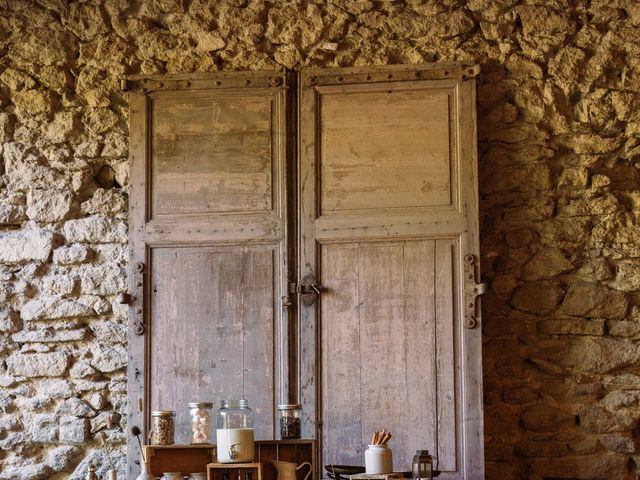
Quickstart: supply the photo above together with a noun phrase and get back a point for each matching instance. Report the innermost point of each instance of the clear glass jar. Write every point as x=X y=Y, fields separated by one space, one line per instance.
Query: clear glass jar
x=172 y=476
x=200 y=414
x=234 y=433
x=162 y=427
x=290 y=419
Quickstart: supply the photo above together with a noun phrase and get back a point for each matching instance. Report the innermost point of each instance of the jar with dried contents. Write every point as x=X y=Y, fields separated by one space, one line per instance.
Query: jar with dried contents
x=200 y=413
x=290 y=420
x=162 y=427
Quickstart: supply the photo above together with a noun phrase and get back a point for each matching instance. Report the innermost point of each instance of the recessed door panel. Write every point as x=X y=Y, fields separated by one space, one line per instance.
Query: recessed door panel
x=385 y=148
x=388 y=349
x=213 y=328
x=211 y=153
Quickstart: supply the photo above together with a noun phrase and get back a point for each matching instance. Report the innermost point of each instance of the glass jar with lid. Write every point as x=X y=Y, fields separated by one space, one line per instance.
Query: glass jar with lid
x=234 y=433
x=162 y=427
x=290 y=419
x=200 y=414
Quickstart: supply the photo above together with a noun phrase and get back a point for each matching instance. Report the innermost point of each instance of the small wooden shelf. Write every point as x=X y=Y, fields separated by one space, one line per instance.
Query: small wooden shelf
x=197 y=458
x=179 y=458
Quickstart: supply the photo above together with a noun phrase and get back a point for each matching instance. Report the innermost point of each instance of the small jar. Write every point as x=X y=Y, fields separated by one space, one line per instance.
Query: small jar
x=234 y=435
x=290 y=419
x=378 y=459
x=200 y=413
x=197 y=476
x=162 y=427
x=172 y=476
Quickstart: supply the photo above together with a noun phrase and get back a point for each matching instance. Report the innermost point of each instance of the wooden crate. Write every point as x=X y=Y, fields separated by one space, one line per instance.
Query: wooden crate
x=234 y=471
x=196 y=458
x=179 y=458
x=297 y=451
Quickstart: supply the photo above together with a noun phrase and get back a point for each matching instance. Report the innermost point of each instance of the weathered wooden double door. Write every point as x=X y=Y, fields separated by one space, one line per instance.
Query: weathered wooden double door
x=310 y=238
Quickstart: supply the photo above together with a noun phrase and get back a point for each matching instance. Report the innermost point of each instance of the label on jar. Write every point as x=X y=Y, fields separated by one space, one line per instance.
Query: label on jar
x=234 y=445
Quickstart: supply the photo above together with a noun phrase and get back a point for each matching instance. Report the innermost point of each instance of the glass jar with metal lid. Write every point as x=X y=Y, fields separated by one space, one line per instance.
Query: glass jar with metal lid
x=234 y=435
x=200 y=413
x=290 y=419
x=162 y=427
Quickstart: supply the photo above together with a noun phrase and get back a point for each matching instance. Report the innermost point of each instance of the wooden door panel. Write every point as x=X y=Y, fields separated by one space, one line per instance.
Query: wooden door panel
x=213 y=312
x=388 y=323
x=211 y=153
x=389 y=147
x=388 y=212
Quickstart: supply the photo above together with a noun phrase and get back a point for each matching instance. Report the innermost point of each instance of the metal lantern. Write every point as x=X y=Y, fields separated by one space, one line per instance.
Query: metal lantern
x=422 y=466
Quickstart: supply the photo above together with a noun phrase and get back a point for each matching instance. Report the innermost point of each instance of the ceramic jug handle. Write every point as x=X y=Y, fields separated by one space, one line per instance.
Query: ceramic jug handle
x=302 y=465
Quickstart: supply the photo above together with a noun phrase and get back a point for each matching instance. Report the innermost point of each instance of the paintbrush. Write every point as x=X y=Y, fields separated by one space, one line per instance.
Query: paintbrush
x=136 y=432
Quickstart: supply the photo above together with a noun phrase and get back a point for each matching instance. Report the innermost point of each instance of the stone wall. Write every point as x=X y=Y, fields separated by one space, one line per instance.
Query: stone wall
x=559 y=140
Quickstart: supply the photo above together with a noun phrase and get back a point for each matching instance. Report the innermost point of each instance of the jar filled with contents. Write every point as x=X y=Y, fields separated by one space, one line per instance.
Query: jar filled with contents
x=290 y=421
x=200 y=413
x=234 y=433
x=162 y=427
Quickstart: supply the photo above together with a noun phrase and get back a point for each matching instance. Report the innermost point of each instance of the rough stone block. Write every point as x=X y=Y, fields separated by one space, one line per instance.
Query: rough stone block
x=108 y=331
x=44 y=428
x=56 y=388
x=73 y=429
x=571 y=326
x=51 y=364
x=106 y=202
x=25 y=246
x=102 y=279
x=62 y=284
x=59 y=458
x=76 y=407
x=12 y=214
x=9 y=319
x=109 y=358
x=35 y=176
x=600 y=354
x=545 y=418
x=546 y=264
x=56 y=306
x=72 y=254
x=96 y=229
x=595 y=301
x=48 y=335
x=539 y=298
x=50 y=206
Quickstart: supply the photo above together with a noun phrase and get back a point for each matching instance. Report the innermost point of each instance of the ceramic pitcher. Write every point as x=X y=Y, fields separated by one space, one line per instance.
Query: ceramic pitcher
x=287 y=470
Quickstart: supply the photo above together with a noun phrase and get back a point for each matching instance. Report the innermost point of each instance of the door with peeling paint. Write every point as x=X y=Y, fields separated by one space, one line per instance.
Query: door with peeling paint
x=388 y=224
x=209 y=245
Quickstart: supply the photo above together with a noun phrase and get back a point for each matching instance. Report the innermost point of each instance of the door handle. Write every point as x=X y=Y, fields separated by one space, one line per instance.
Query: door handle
x=309 y=290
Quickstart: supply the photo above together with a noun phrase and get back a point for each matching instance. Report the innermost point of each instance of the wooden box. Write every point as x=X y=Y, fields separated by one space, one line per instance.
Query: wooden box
x=296 y=451
x=179 y=458
x=196 y=458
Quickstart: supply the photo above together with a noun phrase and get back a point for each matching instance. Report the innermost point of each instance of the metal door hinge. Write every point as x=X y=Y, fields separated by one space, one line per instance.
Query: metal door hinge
x=471 y=291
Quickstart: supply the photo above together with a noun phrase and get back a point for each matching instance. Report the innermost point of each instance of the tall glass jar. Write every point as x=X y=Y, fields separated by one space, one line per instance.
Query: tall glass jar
x=290 y=419
x=162 y=427
x=200 y=414
x=234 y=435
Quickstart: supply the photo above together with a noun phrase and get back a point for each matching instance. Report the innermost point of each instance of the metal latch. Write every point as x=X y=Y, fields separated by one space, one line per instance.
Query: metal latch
x=309 y=290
